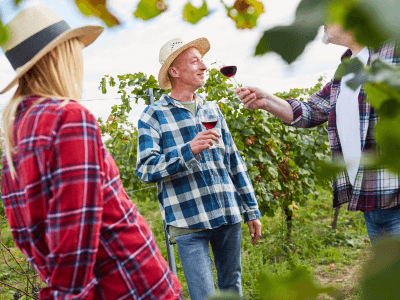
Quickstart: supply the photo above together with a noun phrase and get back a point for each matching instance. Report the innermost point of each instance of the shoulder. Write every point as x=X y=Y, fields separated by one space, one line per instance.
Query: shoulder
x=389 y=52
x=47 y=118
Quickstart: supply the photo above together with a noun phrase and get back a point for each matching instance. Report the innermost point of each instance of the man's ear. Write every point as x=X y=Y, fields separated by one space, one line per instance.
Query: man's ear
x=173 y=72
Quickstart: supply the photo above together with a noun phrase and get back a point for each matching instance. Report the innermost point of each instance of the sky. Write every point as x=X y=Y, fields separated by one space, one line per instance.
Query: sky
x=134 y=47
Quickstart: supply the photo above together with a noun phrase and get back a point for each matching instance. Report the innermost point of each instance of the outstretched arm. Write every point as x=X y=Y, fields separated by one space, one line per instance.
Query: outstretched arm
x=254 y=98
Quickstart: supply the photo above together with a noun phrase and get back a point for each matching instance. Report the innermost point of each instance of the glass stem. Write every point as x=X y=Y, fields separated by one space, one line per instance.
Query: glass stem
x=236 y=84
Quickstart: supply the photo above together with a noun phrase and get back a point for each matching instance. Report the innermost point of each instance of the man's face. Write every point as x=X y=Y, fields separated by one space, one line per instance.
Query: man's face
x=338 y=36
x=188 y=68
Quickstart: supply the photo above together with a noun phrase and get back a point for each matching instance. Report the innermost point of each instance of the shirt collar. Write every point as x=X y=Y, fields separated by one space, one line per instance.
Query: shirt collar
x=166 y=100
x=348 y=54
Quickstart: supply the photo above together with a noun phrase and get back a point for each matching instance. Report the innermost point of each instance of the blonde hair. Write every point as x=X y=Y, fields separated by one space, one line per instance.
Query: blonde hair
x=58 y=74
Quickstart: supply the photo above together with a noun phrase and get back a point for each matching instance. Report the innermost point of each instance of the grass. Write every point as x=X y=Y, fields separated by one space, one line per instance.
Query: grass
x=333 y=257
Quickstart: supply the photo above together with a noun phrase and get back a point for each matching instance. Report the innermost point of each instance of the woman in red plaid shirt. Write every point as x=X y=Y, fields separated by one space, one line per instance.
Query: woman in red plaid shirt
x=61 y=190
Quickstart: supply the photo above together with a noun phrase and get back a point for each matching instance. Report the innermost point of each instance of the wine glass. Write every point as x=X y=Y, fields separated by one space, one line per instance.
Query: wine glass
x=228 y=70
x=208 y=116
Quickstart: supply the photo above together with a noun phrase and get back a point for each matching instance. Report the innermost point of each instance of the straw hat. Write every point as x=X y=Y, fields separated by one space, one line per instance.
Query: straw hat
x=171 y=50
x=34 y=32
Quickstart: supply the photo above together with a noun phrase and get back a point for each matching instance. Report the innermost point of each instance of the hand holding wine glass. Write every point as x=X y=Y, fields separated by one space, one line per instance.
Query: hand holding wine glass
x=208 y=117
x=228 y=70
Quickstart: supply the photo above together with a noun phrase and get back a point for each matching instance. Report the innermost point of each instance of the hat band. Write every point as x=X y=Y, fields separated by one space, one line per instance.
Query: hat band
x=25 y=51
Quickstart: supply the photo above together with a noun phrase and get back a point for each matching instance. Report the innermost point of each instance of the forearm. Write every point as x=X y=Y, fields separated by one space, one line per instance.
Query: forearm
x=279 y=108
x=152 y=166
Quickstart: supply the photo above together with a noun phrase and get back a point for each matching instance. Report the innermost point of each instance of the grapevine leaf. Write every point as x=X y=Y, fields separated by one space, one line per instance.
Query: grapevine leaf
x=297 y=285
x=97 y=8
x=290 y=41
x=374 y=21
x=355 y=66
x=245 y=13
x=327 y=170
x=381 y=274
x=378 y=93
x=193 y=14
x=148 y=9
x=389 y=141
x=4 y=35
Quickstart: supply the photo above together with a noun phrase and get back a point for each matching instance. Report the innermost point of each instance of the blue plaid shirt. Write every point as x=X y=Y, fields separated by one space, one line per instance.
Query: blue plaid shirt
x=203 y=191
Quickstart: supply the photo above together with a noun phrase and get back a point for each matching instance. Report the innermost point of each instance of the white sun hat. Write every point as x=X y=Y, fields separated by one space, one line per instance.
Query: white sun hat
x=171 y=50
x=34 y=32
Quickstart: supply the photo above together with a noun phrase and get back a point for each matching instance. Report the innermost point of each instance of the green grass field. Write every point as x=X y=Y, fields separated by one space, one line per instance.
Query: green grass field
x=334 y=258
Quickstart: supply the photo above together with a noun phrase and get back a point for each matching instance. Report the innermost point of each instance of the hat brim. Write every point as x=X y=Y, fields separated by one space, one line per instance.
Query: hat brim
x=201 y=44
x=86 y=34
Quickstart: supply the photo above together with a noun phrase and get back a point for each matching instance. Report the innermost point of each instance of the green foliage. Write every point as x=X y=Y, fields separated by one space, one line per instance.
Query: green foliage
x=122 y=135
x=296 y=285
x=148 y=9
x=3 y=33
x=330 y=255
x=373 y=21
x=290 y=41
x=281 y=160
x=245 y=13
x=381 y=278
x=97 y=8
x=193 y=14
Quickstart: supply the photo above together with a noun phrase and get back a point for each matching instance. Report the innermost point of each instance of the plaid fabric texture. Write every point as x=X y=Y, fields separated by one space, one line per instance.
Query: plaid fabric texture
x=377 y=188
x=70 y=215
x=205 y=191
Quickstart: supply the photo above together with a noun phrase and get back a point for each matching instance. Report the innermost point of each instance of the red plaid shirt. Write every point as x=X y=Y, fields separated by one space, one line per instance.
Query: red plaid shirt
x=70 y=215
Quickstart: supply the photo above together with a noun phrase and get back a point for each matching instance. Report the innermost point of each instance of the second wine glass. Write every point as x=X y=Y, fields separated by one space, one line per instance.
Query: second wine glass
x=228 y=70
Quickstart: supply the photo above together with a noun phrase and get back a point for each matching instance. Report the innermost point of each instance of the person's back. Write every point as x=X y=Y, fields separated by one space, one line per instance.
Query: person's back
x=64 y=200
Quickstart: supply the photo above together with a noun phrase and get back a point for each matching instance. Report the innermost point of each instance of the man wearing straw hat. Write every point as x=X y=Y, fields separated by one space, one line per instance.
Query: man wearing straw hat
x=202 y=192
x=65 y=203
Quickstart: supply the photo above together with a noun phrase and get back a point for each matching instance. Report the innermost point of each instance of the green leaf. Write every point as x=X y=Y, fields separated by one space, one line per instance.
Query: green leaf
x=4 y=35
x=193 y=14
x=349 y=66
x=99 y=9
x=297 y=285
x=245 y=13
x=388 y=138
x=381 y=275
x=374 y=21
x=148 y=9
x=290 y=41
x=325 y=170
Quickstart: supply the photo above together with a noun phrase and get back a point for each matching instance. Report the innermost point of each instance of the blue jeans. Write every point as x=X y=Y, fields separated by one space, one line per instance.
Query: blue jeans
x=194 y=253
x=381 y=222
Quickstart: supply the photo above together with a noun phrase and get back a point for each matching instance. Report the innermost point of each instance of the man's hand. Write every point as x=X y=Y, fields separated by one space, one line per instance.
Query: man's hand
x=255 y=230
x=253 y=98
x=203 y=140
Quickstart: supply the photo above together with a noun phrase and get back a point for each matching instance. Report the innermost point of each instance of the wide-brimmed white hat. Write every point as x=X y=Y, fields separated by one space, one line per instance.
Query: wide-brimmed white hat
x=171 y=50
x=34 y=32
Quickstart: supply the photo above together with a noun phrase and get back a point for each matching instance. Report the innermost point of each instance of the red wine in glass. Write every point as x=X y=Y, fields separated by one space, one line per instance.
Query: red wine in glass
x=208 y=116
x=209 y=125
x=228 y=71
